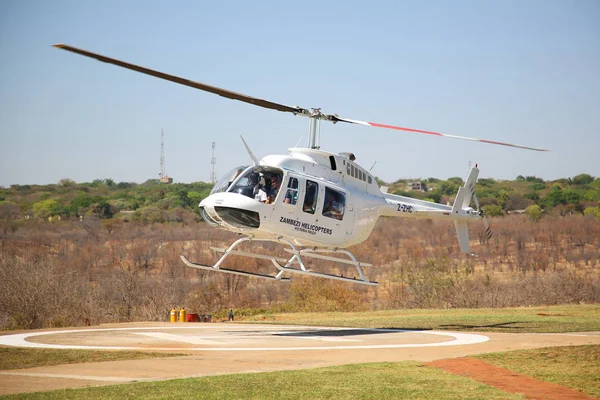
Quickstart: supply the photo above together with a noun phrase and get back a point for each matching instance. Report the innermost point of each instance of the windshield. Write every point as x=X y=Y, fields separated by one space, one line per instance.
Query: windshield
x=260 y=183
x=223 y=183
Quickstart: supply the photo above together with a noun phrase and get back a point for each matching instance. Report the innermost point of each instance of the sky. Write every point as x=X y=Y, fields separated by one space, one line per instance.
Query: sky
x=524 y=72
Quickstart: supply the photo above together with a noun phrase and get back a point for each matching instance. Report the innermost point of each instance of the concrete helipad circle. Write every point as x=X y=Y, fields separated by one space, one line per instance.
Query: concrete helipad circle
x=229 y=337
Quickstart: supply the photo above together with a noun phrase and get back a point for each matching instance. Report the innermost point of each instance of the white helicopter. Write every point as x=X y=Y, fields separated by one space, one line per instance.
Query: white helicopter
x=314 y=202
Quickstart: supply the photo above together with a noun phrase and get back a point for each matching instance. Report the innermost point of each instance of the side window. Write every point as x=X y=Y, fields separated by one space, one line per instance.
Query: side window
x=310 y=197
x=291 y=196
x=334 y=204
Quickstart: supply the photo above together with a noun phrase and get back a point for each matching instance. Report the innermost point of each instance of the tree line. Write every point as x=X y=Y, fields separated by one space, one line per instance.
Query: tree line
x=152 y=201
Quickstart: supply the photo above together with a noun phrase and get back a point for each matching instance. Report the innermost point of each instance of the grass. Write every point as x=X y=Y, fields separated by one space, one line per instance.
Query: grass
x=17 y=358
x=552 y=319
x=410 y=380
x=576 y=367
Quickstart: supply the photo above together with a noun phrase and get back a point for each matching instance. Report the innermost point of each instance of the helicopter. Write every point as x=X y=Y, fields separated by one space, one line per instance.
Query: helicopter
x=315 y=203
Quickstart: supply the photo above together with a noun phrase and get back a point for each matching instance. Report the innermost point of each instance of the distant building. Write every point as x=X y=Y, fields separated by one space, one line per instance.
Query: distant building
x=417 y=185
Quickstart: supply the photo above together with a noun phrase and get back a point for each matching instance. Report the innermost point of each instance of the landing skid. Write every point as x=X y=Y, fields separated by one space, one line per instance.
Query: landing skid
x=284 y=265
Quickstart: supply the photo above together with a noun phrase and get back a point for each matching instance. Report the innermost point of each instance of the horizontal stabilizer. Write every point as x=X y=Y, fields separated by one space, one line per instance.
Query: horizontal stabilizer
x=463 y=236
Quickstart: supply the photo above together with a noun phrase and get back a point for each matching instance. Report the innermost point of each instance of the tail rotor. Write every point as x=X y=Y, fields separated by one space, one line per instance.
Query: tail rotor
x=488 y=231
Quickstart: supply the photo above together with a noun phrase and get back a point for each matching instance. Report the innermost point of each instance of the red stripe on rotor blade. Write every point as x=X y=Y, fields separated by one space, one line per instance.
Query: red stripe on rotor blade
x=399 y=128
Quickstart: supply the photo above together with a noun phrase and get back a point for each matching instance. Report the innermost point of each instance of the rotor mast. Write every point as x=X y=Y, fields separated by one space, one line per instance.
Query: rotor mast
x=315 y=124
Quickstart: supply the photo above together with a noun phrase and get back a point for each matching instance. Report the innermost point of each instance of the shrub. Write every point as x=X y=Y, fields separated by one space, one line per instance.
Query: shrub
x=592 y=211
x=493 y=210
x=534 y=212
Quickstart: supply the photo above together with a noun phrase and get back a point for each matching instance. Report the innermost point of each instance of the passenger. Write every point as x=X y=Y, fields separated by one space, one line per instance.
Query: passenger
x=274 y=190
x=260 y=193
x=289 y=197
x=334 y=208
x=309 y=201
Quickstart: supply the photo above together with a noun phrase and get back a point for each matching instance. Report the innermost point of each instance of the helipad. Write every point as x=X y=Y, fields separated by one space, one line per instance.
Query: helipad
x=223 y=348
x=237 y=338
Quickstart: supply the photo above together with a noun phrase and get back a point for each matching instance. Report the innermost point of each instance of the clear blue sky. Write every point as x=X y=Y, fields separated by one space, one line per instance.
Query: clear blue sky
x=526 y=72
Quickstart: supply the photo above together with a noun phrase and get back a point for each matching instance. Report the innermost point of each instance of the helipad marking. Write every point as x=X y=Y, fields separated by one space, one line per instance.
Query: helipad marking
x=179 y=338
x=19 y=340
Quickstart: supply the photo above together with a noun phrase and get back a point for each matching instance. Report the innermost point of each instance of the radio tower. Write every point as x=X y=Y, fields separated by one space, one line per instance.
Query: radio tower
x=164 y=178
x=213 y=163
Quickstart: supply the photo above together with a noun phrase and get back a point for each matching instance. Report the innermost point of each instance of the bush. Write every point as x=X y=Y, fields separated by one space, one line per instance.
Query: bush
x=534 y=212
x=493 y=210
x=592 y=211
x=583 y=179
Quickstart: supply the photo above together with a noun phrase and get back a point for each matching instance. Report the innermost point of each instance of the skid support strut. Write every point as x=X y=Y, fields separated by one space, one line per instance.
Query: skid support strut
x=285 y=265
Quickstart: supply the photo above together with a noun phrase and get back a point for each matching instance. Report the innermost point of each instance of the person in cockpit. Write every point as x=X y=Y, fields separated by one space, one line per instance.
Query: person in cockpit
x=272 y=193
x=260 y=192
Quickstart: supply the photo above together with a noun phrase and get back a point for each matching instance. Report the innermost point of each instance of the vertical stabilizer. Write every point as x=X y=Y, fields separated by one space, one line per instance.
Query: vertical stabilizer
x=465 y=193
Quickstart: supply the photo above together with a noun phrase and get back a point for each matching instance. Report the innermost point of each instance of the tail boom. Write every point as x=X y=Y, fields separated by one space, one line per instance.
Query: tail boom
x=460 y=213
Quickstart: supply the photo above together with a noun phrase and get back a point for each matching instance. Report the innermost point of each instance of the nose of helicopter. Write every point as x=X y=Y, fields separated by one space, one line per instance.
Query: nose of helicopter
x=232 y=209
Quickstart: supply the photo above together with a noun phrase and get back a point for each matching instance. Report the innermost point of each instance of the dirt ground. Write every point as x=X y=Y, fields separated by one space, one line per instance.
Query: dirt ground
x=237 y=348
x=507 y=380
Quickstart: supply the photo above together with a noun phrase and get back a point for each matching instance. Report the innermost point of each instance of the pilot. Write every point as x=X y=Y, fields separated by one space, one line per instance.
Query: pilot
x=260 y=193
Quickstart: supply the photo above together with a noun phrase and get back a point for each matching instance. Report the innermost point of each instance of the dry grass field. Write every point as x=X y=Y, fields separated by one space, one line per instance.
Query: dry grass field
x=79 y=273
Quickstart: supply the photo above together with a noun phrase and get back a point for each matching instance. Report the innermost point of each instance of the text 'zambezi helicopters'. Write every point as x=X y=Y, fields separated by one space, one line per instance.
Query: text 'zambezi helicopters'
x=314 y=202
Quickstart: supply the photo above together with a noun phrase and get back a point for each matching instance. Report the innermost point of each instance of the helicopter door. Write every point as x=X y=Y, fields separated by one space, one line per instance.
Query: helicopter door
x=286 y=212
x=334 y=214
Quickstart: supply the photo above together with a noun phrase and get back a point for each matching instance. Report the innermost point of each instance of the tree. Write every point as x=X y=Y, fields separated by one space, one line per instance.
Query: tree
x=448 y=188
x=554 y=197
x=534 y=212
x=493 y=210
x=571 y=197
x=66 y=182
x=103 y=209
x=47 y=208
x=111 y=225
x=517 y=202
x=534 y=179
x=583 y=179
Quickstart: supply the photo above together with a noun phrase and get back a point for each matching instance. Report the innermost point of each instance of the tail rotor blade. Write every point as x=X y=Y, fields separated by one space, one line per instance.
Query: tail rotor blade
x=486 y=223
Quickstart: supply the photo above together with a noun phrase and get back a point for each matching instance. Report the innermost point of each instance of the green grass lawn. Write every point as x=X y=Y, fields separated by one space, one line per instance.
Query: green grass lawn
x=569 y=318
x=17 y=357
x=576 y=367
x=405 y=380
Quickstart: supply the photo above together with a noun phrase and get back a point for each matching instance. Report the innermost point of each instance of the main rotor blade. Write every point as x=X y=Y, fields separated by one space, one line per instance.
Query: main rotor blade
x=335 y=118
x=182 y=81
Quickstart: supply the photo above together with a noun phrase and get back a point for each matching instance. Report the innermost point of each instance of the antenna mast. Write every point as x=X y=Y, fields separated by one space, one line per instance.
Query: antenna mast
x=163 y=176
x=213 y=163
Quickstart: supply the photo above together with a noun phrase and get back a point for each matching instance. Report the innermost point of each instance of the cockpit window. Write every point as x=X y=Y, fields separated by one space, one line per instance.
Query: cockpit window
x=334 y=204
x=261 y=183
x=223 y=183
